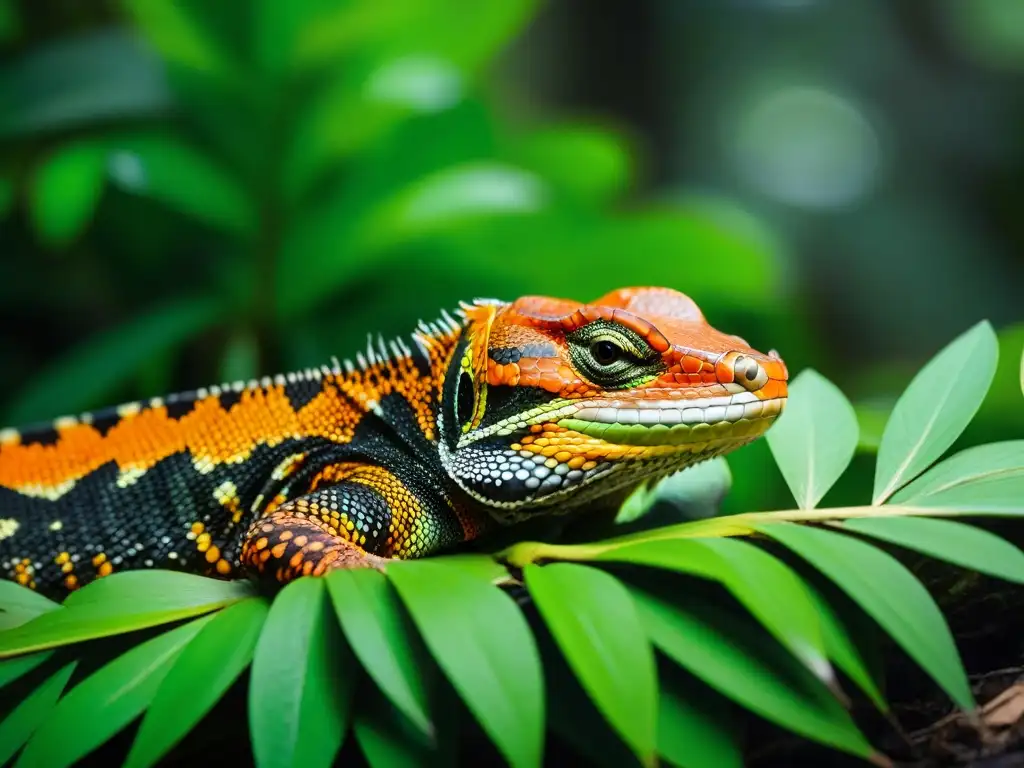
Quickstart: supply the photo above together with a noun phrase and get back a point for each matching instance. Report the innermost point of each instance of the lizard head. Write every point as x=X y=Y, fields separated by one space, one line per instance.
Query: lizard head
x=550 y=403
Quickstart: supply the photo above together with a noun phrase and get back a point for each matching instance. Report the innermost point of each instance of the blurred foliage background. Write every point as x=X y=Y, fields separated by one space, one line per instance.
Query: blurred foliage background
x=193 y=191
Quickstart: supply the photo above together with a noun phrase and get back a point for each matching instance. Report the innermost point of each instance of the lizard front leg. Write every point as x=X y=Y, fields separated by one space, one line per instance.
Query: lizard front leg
x=355 y=516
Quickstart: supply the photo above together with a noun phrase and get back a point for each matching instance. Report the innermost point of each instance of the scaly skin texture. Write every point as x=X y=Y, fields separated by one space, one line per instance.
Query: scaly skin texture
x=513 y=410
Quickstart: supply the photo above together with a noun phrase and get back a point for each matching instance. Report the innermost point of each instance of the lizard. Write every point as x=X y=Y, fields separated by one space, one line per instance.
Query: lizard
x=503 y=412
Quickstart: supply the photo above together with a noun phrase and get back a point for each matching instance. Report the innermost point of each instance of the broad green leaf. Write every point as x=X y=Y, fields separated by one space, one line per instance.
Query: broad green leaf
x=383 y=639
x=302 y=679
x=934 y=409
x=82 y=378
x=957 y=543
x=972 y=468
x=65 y=190
x=485 y=648
x=106 y=701
x=694 y=728
x=889 y=593
x=12 y=669
x=178 y=34
x=198 y=678
x=764 y=585
x=746 y=665
x=123 y=602
x=815 y=438
x=20 y=604
x=843 y=651
x=22 y=722
x=163 y=167
x=81 y=80
x=483 y=567
x=594 y=622
x=584 y=162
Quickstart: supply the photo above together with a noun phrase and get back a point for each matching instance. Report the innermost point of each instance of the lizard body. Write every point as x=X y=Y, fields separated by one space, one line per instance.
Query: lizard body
x=512 y=410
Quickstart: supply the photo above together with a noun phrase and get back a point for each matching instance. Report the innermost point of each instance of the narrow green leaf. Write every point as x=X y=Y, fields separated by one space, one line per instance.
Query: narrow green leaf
x=973 y=467
x=198 y=678
x=81 y=80
x=20 y=604
x=82 y=378
x=934 y=409
x=957 y=543
x=815 y=438
x=485 y=648
x=123 y=602
x=302 y=679
x=383 y=639
x=889 y=593
x=594 y=622
x=841 y=648
x=177 y=33
x=163 y=167
x=22 y=722
x=65 y=190
x=12 y=669
x=694 y=729
x=765 y=586
x=106 y=701
x=736 y=658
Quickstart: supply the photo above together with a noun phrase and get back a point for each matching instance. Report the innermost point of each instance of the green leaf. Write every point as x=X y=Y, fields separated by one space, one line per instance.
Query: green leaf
x=935 y=408
x=840 y=646
x=694 y=729
x=592 y=619
x=383 y=639
x=20 y=604
x=303 y=675
x=198 y=678
x=82 y=378
x=483 y=567
x=1022 y=373
x=889 y=593
x=957 y=543
x=65 y=190
x=764 y=585
x=123 y=602
x=164 y=168
x=734 y=657
x=106 y=701
x=177 y=34
x=584 y=162
x=12 y=669
x=387 y=738
x=971 y=469
x=815 y=438
x=79 y=81
x=485 y=648
x=694 y=493
x=25 y=719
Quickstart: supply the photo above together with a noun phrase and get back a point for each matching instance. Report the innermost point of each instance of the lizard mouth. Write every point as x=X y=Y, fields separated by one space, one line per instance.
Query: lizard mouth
x=672 y=422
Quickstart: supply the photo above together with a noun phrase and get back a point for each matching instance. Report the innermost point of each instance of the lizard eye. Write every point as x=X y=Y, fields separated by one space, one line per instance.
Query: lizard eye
x=605 y=352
